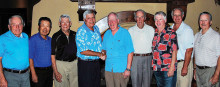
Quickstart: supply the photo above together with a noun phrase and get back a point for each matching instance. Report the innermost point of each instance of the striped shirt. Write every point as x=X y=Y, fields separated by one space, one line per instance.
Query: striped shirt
x=207 y=48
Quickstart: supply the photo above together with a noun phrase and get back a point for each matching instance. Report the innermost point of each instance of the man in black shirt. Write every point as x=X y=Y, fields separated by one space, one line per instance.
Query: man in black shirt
x=63 y=54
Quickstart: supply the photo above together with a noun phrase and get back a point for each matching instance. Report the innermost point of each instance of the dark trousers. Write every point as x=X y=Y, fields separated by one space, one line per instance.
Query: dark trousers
x=163 y=80
x=45 y=78
x=88 y=73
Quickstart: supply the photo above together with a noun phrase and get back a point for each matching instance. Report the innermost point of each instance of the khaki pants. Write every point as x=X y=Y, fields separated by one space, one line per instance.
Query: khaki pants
x=203 y=77
x=184 y=81
x=115 y=79
x=68 y=70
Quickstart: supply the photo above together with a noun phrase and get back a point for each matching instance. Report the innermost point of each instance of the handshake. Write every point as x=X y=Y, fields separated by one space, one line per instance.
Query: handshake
x=102 y=56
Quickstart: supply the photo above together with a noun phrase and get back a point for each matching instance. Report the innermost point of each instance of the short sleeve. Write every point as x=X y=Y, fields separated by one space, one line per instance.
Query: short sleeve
x=31 y=48
x=1 y=47
x=128 y=43
x=189 y=39
x=81 y=40
x=217 y=44
x=53 y=44
x=174 y=44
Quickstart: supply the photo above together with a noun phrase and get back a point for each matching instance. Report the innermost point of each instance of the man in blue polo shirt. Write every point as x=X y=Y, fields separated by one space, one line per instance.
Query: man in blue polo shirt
x=40 y=55
x=14 y=62
x=117 y=44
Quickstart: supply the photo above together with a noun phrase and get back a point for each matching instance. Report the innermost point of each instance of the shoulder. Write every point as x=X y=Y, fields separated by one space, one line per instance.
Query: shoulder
x=33 y=36
x=149 y=27
x=131 y=28
x=25 y=35
x=55 y=35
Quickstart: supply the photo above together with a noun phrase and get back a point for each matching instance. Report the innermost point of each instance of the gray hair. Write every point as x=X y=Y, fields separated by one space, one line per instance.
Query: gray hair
x=160 y=13
x=113 y=14
x=64 y=16
x=140 y=11
x=181 y=10
x=207 y=13
x=22 y=21
x=88 y=12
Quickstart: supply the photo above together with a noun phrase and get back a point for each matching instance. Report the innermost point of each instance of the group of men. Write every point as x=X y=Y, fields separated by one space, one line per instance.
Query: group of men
x=73 y=57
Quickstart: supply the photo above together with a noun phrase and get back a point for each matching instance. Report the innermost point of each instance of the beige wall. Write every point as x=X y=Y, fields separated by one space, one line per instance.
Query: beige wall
x=54 y=8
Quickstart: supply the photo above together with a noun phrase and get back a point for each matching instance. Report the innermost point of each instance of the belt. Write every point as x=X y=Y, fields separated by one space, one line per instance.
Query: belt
x=43 y=68
x=70 y=60
x=89 y=60
x=16 y=71
x=148 y=54
x=203 y=67
x=180 y=60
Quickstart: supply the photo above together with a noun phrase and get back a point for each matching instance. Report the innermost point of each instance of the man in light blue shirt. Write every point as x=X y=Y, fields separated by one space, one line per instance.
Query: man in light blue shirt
x=14 y=55
x=185 y=39
x=117 y=45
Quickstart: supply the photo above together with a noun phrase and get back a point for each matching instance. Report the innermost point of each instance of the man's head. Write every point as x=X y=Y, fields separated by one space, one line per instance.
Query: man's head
x=140 y=17
x=89 y=18
x=113 y=21
x=16 y=24
x=160 y=19
x=44 y=26
x=205 y=20
x=65 y=22
x=177 y=15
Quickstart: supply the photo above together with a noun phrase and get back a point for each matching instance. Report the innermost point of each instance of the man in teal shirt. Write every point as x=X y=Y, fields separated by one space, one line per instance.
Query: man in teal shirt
x=14 y=61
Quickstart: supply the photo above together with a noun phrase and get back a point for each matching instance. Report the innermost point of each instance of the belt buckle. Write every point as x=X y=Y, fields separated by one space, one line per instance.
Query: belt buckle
x=19 y=72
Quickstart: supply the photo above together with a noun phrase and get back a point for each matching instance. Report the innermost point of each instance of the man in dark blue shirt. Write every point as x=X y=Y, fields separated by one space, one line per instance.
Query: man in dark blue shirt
x=40 y=55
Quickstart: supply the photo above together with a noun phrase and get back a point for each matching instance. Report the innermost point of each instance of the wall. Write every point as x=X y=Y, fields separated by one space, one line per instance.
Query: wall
x=54 y=8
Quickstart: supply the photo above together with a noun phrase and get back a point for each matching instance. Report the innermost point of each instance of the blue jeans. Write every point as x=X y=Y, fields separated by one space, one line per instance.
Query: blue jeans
x=17 y=80
x=163 y=80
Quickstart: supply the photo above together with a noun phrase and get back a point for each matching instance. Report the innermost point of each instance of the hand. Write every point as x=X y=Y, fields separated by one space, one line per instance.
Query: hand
x=194 y=74
x=184 y=71
x=126 y=74
x=58 y=76
x=170 y=72
x=34 y=78
x=103 y=56
x=214 y=79
x=3 y=82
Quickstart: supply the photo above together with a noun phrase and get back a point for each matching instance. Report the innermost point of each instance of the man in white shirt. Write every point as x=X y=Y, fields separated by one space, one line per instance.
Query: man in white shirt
x=207 y=53
x=185 y=39
x=142 y=36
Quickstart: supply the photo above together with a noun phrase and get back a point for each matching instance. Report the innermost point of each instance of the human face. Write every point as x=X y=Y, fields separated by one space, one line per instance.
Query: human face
x=90 y=20
x=113 y=22
x=204 y=21
x=65 y=24
x=44 y=28
x=16 y=26
x=140 y=19
x=160 y=22
x=177 y=16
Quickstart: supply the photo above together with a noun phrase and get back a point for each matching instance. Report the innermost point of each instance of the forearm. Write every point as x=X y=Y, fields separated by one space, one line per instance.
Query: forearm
x=129 y=62
x=91 y=53
x=188 y=55
x=173 y=60
x=217 y=71
x=54 y=66
x=2 y=77
x=32 y=67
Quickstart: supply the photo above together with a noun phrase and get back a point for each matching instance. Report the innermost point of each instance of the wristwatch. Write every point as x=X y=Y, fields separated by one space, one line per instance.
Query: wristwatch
x=128 y=69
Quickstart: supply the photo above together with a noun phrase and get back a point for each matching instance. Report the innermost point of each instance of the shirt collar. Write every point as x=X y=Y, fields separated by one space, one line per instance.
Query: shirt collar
x=207 y=32
x=38 y=34
x=180 y=29
x=94 y=27
x=12 y=35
